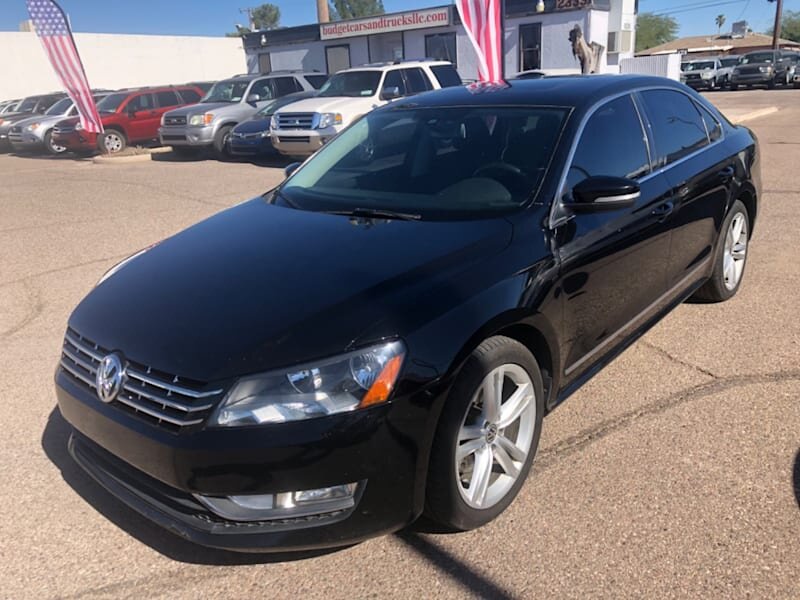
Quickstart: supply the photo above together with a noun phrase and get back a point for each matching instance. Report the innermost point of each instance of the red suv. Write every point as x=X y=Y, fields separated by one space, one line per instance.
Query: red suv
x=129 y=116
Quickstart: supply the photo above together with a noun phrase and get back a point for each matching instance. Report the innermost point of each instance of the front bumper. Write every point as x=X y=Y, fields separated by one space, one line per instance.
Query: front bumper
x=246 y=146
x=185 y=135
x=752 y=78
x=76 y=141
x=25 y=141
x=301 y=142
x=156 y=471
x=699 y=84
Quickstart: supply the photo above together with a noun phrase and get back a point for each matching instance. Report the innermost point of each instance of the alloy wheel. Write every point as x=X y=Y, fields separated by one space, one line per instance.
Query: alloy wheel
x=112 y=142
x=56 y=149
x=735 y=253
x=495 y=436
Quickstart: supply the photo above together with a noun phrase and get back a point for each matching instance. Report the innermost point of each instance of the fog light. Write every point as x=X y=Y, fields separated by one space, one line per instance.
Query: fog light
x=286 y=505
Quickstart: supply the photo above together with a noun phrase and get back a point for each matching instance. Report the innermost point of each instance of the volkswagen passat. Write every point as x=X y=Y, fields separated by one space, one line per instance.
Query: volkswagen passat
x=382 y=334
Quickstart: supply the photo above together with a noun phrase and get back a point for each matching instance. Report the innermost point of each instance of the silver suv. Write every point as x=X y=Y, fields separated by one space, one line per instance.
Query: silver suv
x=228 y=103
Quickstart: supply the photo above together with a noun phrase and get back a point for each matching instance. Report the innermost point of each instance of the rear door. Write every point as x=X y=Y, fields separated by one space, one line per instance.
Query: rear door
x=613 y=261
x=687 y=146
x=416 y=81
x=284 y=86
x=141 y=113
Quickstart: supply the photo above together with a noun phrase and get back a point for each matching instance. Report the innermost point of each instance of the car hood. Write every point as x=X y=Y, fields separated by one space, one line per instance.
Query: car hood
x=10 y=119
x=41 y=119
x=254 y=125
x=259 y=287
x=199 y=109
x=340 y=104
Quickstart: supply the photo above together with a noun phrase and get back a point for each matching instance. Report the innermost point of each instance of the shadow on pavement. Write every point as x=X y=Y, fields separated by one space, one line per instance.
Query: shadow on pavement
x=452 y=566
x=54 y=444
x=796 y=477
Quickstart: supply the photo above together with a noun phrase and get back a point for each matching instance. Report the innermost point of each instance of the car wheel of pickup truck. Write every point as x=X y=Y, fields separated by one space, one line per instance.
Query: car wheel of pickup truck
x=487 y=436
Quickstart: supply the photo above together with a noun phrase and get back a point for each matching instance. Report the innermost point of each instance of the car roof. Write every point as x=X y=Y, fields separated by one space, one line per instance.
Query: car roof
x=377 y=66
x=579 y=91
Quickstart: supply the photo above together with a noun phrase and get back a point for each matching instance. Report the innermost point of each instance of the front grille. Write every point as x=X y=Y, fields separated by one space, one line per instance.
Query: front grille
x=749 y=71
x=294 y=140
x=296 y=121
x=15 y=134
x=156 y=397
x=63 y=129
x=15 y=129
x=178 y=120
x=246 y=136
x=693 y=76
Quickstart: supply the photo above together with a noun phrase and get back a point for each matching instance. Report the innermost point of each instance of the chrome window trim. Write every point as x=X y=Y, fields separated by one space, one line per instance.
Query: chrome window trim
x=554 y=222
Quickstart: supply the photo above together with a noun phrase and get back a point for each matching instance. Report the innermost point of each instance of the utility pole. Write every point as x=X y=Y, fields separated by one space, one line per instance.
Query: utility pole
x=776 y=31
x=323 y=13
x=249 y=12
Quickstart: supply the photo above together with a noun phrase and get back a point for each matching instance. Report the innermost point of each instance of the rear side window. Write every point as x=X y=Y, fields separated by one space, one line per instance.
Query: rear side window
x=446 y=75
x=713 y=126
x=285 y=85
x=190 y=96
x=417 y=81
x=678 y=128
x=167 y=98
x=316 y=81
x=395 y=79
x=612 y=144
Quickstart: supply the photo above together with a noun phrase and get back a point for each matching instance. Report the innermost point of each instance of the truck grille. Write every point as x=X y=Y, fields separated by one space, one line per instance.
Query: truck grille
x=177 y=120
x=294 y=140
x=156 y=397
x=296 y=121
x=692 y=76
x=749 y=70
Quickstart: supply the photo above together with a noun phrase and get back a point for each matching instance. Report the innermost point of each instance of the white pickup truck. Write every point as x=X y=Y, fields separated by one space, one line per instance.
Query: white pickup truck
x=303 y=127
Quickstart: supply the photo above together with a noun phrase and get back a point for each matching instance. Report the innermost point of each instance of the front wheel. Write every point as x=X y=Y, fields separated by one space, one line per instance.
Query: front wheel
x=730 y=258
x=112 y=142
x=51 y=146
x=487 y=436
x=222 y=142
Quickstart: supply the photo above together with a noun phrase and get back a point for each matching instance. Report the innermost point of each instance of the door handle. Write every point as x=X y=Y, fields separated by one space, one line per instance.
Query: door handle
x=727 y=174
x=662 y=211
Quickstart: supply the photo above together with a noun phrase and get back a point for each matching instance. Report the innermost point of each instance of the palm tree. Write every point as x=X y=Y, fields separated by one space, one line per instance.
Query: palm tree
x=720 y=21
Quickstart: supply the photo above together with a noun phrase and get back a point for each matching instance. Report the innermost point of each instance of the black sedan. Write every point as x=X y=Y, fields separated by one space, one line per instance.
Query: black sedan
x=251 y=137
x=382 y=334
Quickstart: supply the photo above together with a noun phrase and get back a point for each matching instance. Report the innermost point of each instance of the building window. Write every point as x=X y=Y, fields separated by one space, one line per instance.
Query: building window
x=264 y=63
x=386 y=47
x=337 y=58
x=441 y=46
x=530 y=46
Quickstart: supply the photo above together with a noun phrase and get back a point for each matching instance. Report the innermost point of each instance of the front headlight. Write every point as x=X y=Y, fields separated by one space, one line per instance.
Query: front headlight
x=342 y=384
x=707 y=75
x=33 y=126
x=201 y=120
x=329 y=120
x=273 y=122
x=765 y=69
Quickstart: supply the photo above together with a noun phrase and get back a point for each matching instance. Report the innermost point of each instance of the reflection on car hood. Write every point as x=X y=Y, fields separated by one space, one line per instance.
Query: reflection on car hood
x=260 y=286
x=341 y=104
x=44 y=121
x=255 y=125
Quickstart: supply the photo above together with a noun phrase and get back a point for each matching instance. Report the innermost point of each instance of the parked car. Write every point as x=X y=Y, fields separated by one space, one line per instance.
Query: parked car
x=251 y=137
x=794 y=67
x=706 y=73
x=209 y=124
x=303 y=128
x=384 y=331
x=129 y=117
x=8 y=106
x=763 y=67
x=36 y=133
x=27 y=107
x=203 y=85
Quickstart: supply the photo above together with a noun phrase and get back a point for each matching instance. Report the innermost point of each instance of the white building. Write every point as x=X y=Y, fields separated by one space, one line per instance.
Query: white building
x=536 y=37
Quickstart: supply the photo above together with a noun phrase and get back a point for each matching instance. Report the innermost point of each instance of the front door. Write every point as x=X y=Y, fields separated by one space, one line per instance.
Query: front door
x=613 y=261
x=142 y=117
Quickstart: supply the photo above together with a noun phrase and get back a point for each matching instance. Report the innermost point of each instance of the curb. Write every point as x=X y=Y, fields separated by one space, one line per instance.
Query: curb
x=756 y=114
x=131 y=158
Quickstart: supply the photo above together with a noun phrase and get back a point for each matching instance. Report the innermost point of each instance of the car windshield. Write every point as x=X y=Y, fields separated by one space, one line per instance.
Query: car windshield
x=700 y=66
x=60 y=107
x=760 y=57
x=111 y=103
x=437 y=163
x=352 y=84
x=226 y=91
x=27 y=105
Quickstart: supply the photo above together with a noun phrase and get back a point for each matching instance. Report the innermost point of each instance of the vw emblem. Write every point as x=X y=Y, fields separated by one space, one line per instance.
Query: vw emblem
x=108 y=380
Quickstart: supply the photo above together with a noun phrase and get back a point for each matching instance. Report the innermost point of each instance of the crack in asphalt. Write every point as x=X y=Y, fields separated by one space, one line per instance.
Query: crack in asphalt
x=35 y=307
x=63 y=269
x=551 y=455
x=662 y=352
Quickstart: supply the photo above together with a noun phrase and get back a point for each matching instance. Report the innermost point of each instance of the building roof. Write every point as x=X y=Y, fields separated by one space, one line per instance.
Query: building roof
x=717 y=43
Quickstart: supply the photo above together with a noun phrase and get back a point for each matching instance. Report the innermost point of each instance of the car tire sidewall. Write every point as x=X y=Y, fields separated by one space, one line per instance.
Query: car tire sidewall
x=718 y=276
x=221 y=141
x=101 y=141
x=48 y=145
x=444 y=502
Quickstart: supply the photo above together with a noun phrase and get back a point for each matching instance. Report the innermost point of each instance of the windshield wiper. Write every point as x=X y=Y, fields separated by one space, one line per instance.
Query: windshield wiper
x=376 y=213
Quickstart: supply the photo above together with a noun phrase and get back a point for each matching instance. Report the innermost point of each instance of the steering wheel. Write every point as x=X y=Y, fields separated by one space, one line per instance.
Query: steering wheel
x=505 y=173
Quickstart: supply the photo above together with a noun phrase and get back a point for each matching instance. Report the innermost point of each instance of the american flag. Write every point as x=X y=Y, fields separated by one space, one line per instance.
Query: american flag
x=54 y=32
x=483 y=21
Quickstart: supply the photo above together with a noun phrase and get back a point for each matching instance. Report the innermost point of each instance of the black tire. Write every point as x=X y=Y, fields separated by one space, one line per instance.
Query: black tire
x=51 y=147
x=771 y=85
x=112 y=138
x=221 y=139
x=715 y=290
x=444 y=502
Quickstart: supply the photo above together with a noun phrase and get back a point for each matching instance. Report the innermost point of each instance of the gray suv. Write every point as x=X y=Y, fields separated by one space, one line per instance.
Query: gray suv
x=764 y=67
x=209 y=124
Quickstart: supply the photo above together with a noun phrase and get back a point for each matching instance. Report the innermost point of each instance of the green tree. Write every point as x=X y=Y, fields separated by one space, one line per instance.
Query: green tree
x=790 y=26
x=352 y=9
x=652 y=30
x=266 y=16
x=720 y=21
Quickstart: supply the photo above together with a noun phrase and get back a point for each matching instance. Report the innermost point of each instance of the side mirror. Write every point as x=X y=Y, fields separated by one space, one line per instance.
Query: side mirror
x=253 y=98
x=390 y=93
x=291 y=168
x=605 y=193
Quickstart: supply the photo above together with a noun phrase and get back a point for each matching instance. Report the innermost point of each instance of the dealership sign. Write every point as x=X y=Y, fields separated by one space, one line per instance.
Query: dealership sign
x=417 y=19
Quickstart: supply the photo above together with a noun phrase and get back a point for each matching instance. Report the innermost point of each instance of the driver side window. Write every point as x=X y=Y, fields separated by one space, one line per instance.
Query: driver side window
x=612 y=144
x=395 y=79
x=263 y=88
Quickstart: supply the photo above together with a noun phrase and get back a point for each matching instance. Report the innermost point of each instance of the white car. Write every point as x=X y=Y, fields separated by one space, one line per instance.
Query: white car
x=302 y=128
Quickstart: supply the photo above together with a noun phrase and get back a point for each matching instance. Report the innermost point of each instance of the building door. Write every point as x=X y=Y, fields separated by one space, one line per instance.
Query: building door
x=264 y=63
x=337 y=58
x=386 y=47
x=530 y=46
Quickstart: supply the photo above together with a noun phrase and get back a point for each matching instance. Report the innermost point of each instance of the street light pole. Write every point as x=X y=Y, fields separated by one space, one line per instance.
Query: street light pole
x=776 y=31
x=323 y=14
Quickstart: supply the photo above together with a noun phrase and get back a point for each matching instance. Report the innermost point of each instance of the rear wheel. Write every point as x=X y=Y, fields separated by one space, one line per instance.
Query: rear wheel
x=487 y=436
x=51 y=146
x=112 y=142
x=730 y=259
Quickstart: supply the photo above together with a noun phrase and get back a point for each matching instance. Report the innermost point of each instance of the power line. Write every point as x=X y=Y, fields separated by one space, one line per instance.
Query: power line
x=692 y=7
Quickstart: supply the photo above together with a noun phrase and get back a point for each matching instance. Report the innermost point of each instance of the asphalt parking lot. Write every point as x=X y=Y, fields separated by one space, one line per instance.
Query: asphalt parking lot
x=674 y=473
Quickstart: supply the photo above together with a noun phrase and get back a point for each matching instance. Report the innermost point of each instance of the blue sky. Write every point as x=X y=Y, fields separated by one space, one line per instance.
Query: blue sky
x=190 y=17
